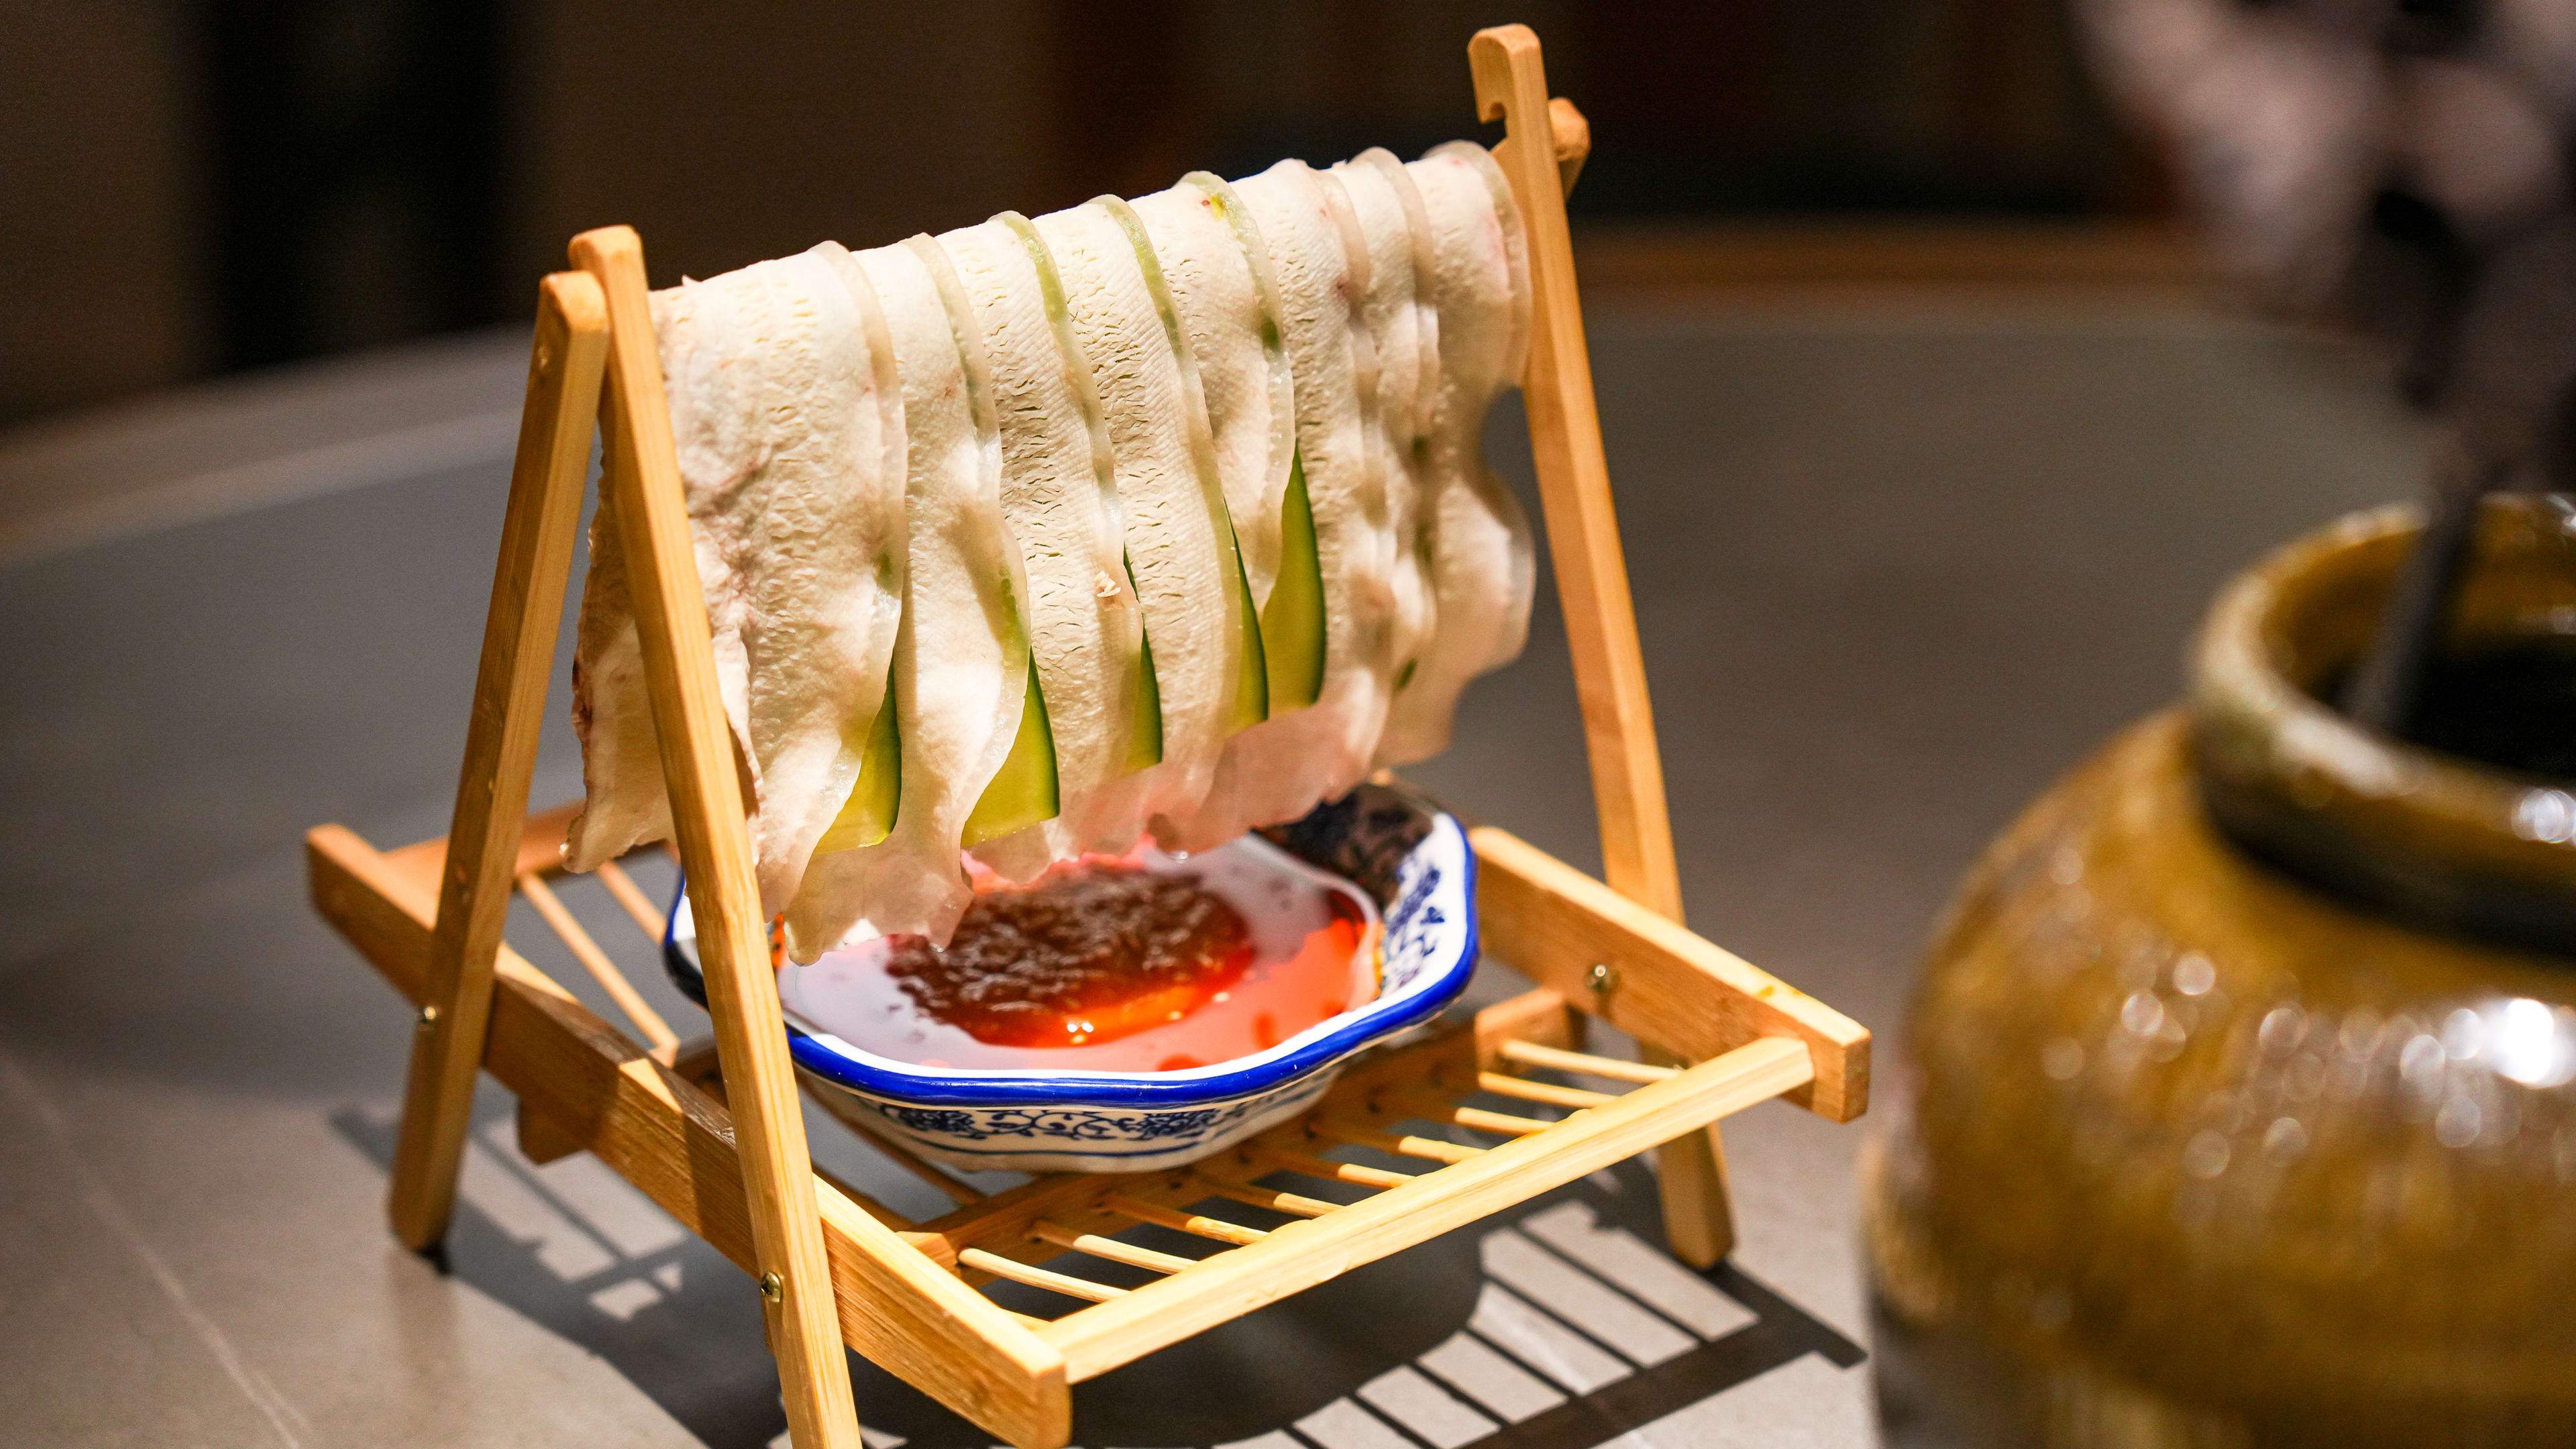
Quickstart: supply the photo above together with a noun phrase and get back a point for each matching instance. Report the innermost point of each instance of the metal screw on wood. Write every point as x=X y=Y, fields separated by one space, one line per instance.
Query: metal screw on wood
x=772 y=1287
x=428 y=1017
x=1603 y=978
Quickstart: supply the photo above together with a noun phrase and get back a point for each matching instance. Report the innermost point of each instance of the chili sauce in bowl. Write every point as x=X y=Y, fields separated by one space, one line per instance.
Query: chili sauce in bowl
x=1148 y=962
x=1107 y=1102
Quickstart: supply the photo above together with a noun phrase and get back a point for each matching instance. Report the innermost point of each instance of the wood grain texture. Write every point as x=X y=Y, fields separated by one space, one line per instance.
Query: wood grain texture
x=540 y=1140
x=500 y=751
x=1676 y=991
x=677 y=1145
x=707 y=814
x=1591 y=568
x=1301 y=1254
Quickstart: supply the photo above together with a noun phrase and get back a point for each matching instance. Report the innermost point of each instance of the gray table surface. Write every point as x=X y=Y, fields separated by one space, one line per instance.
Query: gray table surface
x=1897 y=566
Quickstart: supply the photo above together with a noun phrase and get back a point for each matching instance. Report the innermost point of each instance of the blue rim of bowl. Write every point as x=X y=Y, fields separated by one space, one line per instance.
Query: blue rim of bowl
x=1316 y=1047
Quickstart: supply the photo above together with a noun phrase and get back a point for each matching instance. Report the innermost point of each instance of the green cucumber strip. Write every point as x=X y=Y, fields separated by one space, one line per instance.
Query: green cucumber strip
x=1145 y=746
x=1292 y=623
x=1023 y=791
x=868 y=816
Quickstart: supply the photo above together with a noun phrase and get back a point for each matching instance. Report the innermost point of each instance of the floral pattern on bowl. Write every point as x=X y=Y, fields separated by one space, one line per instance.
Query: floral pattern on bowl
x=1406 y=854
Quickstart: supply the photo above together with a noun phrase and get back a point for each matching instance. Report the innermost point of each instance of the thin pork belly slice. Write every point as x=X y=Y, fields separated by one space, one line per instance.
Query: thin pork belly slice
x=1278 y=770
x=1382 y=211
x=822 y=585
x=779 y=435
x=1059 y=500
x=624 y=802
x=960 y=667
x=1220 y=284
x=1179 y=550
x=1482 y=568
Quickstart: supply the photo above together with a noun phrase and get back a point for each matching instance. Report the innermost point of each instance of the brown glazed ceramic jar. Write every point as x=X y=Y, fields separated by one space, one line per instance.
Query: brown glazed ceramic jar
x=2243 y=1070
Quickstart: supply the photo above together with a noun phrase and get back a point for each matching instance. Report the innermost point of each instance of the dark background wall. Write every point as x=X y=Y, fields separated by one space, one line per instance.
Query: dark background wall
x=227 y=184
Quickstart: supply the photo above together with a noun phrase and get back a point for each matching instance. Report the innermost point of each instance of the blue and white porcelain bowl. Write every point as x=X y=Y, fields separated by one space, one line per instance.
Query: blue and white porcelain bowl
x=1407 y=855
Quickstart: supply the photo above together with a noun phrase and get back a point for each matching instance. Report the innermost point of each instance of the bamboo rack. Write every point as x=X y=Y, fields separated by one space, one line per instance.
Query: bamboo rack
x=1406 y=1145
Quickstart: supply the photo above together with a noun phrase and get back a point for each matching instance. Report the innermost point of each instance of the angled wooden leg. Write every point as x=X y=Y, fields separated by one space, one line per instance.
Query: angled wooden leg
x=1541 y=157
x=500 y=750
x=707 y=814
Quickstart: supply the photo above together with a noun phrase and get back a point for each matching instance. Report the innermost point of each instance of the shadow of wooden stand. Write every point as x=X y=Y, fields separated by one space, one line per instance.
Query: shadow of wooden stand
x=713 y=1131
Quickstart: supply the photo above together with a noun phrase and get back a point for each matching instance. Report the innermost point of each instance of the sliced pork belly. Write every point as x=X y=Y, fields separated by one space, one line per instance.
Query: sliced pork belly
x=1278 y=770
x=960 y=660
x=1179 y=550
x=1481 y=564
x=1380 y=212
x=1059 y=501
x=780 y=434
x=1219 y=276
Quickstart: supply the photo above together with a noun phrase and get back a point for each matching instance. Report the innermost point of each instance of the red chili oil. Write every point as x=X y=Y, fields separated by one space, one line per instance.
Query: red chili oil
x=1092 y=951
x=1142 y=963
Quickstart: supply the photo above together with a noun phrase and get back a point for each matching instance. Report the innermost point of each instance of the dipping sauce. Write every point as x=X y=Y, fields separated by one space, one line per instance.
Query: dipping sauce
x=1147 y=962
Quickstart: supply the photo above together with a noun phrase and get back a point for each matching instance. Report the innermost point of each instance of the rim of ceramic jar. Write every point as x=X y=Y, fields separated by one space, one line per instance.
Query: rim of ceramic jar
x=2436 y=839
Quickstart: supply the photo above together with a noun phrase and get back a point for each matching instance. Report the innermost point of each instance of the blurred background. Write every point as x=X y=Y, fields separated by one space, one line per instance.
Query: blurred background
x=203 y=188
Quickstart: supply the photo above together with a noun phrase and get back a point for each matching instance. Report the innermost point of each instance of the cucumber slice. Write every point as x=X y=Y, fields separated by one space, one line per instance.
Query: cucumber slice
x=1292 y=623
x=1023 y=791
x=1146 y=747
x=869 y=814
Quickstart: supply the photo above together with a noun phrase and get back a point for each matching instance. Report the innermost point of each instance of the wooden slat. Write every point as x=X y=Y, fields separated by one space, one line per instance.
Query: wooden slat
x=642 y=485
x=632 y=897
x=1036 y=1277
x=1430 y=1149
x=1502 y=1084
x=500 y=751
x=596 y=962
x=1112 y=1249
x=1291 y=1203
x=1584 y=1063
x=896 y=1301
x=1474 y=1119
x=1192 y=1223
x=1331 y=1171
x=1299 y=1255
x=1676 y=990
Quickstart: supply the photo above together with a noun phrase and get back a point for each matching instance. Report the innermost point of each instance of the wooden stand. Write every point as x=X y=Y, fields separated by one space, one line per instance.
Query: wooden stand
x=712 y=1131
